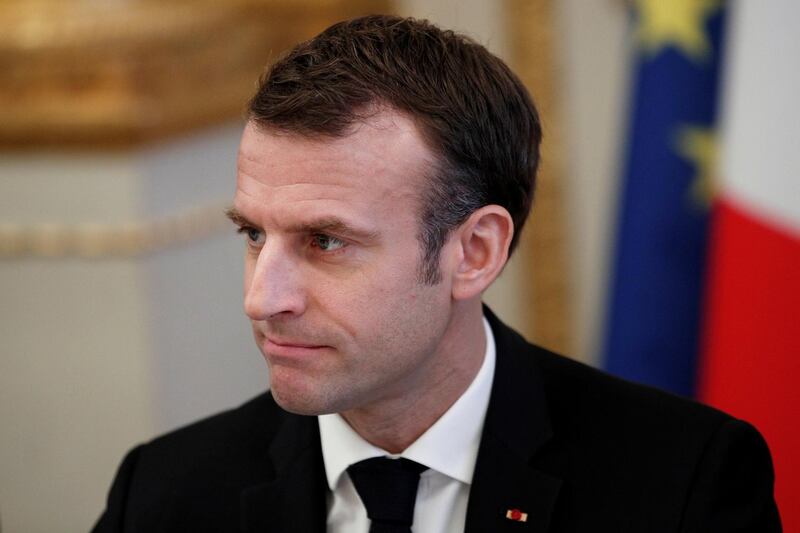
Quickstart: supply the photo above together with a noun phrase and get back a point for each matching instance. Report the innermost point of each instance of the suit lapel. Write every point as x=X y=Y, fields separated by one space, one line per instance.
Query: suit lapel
x=516 y=430
x=295 y=498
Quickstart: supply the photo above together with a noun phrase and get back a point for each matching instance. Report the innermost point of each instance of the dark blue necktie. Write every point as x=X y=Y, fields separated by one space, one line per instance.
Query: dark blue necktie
x=388 y=489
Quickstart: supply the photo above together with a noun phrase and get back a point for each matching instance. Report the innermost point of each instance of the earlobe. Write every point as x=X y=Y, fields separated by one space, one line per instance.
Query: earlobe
x=484 y=239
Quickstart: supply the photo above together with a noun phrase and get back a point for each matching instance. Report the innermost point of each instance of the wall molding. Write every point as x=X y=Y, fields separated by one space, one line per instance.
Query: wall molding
x=111 y=241
x=110 y=74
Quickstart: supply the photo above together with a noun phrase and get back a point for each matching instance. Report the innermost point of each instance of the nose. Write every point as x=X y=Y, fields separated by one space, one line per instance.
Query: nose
x=273 y=285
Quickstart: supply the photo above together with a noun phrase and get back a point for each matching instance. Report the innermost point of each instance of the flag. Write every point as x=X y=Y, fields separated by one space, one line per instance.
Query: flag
x=652 y=329
x=750 y=364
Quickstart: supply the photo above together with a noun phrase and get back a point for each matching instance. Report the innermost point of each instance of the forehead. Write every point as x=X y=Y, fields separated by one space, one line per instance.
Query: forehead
x=384 y=154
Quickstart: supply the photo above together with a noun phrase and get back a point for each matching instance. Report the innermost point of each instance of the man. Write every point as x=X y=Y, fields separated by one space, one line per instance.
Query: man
x=384 y=175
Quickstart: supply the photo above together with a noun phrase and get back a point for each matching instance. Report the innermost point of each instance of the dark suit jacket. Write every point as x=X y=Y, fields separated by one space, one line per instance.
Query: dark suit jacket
x=575 y=449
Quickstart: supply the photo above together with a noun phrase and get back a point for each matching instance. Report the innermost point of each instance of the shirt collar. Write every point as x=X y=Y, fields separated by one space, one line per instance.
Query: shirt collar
x=449 y=446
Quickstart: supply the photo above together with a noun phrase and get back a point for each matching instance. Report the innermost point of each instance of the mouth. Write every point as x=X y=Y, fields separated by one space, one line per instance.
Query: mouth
x=289 y=348
x=291 y=343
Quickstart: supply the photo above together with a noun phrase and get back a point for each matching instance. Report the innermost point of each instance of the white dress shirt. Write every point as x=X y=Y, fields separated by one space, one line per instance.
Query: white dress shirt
x=448 y=448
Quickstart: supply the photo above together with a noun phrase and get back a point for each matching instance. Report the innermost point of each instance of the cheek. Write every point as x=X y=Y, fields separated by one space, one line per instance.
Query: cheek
x=249 y=268
x=367 y=308
x=373 y=301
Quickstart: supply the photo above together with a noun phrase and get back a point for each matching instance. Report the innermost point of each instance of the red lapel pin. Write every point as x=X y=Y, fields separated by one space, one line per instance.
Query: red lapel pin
x=516 y=515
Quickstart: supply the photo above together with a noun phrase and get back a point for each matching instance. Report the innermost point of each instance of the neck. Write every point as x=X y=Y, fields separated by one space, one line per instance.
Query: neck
x=393 y=424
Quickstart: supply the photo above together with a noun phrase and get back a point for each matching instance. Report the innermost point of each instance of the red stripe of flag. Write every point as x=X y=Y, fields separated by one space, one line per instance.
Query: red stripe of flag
x=751 y=358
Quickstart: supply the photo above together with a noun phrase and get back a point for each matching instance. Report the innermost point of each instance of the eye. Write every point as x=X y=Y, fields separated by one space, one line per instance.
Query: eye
x=326 y=243
x=255 y=237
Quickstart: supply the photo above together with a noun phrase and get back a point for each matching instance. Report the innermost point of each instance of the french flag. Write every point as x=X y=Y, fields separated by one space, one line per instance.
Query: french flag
x=749 y=362
x=706 y=303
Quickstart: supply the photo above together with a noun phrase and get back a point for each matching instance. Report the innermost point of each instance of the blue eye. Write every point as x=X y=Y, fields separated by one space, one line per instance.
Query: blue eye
x=254 y=236
x=326 y=243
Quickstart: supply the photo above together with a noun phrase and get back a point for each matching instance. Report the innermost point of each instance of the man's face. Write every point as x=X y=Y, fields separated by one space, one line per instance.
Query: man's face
x=331 y=281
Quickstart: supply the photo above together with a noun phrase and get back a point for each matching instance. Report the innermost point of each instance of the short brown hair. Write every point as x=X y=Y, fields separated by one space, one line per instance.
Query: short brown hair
x=470 y=108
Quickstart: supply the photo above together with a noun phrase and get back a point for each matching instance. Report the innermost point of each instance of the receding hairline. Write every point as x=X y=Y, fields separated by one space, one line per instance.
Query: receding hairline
x=368 y=114
x=375 y=115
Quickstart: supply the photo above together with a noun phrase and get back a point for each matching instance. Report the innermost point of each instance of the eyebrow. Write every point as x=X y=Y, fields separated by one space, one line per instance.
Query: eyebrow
x=328 y=224
x=237 y=218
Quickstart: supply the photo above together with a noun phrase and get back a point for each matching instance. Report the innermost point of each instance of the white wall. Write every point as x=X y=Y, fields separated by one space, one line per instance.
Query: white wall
x=99 y=354
x=595 y=60
x=75 y=372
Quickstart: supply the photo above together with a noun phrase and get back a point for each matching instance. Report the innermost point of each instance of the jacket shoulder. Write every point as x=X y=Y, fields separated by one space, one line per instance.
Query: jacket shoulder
x=630 y=457
x=569 y=383
x=577 y=393
x=193 y=477
x=686 y=466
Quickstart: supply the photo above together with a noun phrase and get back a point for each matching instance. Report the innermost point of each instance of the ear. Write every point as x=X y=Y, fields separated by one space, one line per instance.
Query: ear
x=483 y=241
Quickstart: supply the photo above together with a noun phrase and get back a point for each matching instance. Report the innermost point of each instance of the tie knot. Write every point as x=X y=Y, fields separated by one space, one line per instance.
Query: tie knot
x=388 y=489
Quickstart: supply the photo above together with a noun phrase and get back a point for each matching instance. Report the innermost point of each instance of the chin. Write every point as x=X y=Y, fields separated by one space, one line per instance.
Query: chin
x=299 y=402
